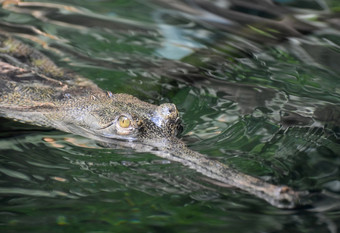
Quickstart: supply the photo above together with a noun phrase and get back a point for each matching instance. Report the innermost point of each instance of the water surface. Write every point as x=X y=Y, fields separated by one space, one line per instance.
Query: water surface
x=261 y=96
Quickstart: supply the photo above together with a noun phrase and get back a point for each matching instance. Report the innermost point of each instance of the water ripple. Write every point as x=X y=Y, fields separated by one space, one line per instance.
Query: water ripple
x=32 y=192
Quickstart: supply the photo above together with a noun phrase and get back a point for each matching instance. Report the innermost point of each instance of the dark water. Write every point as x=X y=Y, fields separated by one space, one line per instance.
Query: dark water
x=259 y=91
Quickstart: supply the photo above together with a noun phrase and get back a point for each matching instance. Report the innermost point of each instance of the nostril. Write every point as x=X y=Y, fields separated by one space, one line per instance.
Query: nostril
x=165 y=114
x=168 y=110
x=172 y=108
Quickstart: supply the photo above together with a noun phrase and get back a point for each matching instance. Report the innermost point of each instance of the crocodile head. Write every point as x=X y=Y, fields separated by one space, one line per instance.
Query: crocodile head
x=122 y=116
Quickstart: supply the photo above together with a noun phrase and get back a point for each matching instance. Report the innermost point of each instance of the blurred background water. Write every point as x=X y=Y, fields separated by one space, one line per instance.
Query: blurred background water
x=257 y=86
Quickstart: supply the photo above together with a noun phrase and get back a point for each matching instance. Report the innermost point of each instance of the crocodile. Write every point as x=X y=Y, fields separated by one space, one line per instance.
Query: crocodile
x=34 y=90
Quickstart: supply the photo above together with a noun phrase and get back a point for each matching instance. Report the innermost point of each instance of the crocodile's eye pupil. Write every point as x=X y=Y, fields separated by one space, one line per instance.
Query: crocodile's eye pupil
x=124 y=122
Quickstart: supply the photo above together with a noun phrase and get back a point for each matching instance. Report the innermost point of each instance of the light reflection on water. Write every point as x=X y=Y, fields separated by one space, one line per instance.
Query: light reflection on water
x=249 y=104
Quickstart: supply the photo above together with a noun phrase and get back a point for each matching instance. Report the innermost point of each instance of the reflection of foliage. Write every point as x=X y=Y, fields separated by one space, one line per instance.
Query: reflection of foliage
x=334 y=5
x=268 y=32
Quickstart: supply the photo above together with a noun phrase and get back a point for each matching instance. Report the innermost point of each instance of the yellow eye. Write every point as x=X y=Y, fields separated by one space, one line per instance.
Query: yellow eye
x=124 y=122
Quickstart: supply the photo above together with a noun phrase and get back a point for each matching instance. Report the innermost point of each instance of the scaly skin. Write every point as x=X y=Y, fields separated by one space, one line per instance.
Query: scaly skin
x=34 y=90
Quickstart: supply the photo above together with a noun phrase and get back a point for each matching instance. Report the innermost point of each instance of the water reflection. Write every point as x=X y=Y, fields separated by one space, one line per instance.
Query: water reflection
x=262 y=21
x=250 y=95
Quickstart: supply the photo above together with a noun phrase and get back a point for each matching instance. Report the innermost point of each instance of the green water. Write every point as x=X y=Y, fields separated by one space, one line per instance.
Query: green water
x=249 y=97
